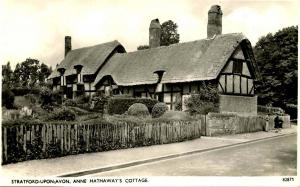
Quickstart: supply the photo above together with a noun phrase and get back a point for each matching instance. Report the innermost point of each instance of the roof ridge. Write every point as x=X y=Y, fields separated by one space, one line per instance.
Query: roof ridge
x=186 y=42
x=113 y=41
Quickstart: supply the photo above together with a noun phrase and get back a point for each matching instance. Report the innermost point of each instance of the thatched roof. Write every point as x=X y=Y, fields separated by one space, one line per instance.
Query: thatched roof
x=91 y=58
x=182 y=62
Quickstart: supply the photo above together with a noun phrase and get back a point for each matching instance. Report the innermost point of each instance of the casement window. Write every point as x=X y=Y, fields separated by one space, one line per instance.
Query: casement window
x=237 y=67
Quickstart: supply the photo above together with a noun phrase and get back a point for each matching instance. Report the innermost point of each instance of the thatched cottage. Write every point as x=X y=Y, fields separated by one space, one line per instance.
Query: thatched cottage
x=167 y=73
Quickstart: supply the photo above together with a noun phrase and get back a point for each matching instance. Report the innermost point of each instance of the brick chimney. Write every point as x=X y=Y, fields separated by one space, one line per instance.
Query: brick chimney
x=154 y=33
x=214 y=24
x=68 y=45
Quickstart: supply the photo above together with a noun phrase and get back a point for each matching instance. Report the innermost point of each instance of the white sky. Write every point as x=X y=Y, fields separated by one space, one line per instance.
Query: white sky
x=36 y=28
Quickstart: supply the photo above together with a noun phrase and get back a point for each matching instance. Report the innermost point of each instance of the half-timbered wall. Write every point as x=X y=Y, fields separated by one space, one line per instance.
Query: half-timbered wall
x=236 y=78
x=171 y=94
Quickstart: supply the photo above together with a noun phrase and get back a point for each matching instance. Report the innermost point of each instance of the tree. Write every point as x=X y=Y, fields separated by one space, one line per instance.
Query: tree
x=142 y=47
x=30 y=74
x=169 y=33
x=276 y=57
x=27 y=72
x=44 y=72
x=168 y=36
x=7 y=75
x=7 y=98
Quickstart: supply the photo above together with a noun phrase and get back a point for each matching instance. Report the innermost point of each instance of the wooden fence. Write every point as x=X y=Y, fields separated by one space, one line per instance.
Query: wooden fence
x=26 y=142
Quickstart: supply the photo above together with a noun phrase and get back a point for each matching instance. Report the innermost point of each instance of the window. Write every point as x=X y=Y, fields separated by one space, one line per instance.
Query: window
x=237 y=67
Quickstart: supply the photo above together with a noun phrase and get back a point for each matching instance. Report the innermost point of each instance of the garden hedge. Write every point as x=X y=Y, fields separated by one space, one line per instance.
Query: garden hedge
x=139 y=110
x=120 y=105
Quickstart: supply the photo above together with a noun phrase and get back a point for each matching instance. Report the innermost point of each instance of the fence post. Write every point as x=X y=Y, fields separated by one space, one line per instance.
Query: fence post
x=4 y=144
x=205 y=123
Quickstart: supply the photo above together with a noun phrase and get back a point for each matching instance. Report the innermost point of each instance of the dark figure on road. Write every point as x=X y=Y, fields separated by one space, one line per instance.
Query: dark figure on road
x=278 y=123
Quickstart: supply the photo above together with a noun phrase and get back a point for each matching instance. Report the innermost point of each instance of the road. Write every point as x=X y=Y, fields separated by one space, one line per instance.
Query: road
x=271 y=157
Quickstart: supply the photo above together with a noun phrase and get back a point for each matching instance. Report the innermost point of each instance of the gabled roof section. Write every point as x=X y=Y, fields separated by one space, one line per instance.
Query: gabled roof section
x=182 y=62
x=91 y=58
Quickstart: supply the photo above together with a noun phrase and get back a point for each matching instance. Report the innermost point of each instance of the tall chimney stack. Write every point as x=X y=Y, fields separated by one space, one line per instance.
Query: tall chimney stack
x=68 y=45
x=214 y=24
x=154 y=33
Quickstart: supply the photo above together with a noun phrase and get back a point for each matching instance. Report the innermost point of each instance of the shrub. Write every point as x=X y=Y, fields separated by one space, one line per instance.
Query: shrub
x=79 y=111
x=98 y=103
x=46 y=96
x=64 y=114
x=24 y=91
x=31 y=98
x=196 y=105
x=82 y=99
x=69 y=102
x=57 y=96
x=90 y=116
x=119 y=105
x=291 y=109
x=139 y=110
x=8 y=98
x=206 y=101
x=159 y=109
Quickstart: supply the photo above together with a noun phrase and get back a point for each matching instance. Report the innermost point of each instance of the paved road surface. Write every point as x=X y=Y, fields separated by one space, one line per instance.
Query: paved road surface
x=265 y=158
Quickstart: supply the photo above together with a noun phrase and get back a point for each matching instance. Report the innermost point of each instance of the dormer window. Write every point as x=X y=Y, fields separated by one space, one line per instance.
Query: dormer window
x=159 y=86
x=62 y=77
x=78 y=69
x=61 y=71
x=160 y=74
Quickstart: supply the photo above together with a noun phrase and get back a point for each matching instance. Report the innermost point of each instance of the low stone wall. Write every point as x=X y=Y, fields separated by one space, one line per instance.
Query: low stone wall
x=220 y=124
x=239 y=104
x=285 y=119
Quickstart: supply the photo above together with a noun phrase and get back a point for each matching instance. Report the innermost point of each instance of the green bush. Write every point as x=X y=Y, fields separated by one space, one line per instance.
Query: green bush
x=8 y=98
x=139 y=110
x=62 y=114
x=119 y=105
x=159 y=109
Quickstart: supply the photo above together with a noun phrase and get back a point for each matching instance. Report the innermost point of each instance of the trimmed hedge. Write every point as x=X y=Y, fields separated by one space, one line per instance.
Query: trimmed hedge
x=175 y=115
x=24 y=91
x=139 y=110
x=159 y=109
x=119 y=105
x=8 y=98
x=64 y=114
